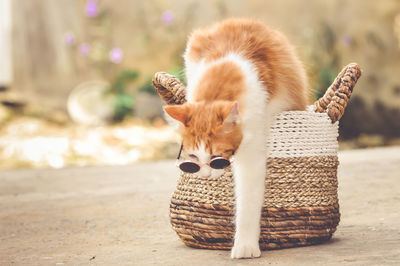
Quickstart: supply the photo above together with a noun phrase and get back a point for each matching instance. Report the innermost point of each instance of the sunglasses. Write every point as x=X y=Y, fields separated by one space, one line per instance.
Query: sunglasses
x=193 y=167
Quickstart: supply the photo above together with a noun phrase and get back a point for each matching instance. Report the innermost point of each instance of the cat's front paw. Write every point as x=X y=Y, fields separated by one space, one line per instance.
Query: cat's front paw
x=241 y=251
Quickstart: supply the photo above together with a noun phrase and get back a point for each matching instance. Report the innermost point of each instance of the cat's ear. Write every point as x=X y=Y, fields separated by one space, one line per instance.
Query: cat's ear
x=177 y=112
x=233 y=117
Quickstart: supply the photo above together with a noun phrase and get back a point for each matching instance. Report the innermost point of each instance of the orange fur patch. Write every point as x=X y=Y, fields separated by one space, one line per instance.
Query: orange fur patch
x=204 y=123
x=222 y=81
x=269 y=50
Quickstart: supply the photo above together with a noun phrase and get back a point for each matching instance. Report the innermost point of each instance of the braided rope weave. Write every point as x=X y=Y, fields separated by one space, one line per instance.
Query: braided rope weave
x=301 y=203
x=303 y=134
x=337 y=96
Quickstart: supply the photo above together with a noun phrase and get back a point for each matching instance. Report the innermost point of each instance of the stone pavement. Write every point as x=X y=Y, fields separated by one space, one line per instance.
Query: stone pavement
x=119 y=216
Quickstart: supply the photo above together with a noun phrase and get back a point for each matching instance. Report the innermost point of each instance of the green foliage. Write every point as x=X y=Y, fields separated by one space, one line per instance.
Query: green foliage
x=123 y=106
x=179 y=73
x=147 y=87
x=123 y=102
x=325 y=58
x=127 y=75
x=325 y=78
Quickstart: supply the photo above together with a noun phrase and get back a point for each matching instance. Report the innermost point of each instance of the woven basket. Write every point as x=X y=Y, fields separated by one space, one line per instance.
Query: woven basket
x=301 y=203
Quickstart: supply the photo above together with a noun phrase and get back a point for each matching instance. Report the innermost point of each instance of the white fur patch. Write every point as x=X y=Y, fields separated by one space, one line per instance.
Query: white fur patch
x=194 y=72
x=201 y=153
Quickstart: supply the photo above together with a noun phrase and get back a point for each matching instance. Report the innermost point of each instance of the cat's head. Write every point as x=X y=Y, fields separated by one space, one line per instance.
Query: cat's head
x=208 y=130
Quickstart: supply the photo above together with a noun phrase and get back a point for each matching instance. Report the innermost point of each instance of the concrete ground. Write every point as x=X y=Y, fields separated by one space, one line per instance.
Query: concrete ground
x=119 y=216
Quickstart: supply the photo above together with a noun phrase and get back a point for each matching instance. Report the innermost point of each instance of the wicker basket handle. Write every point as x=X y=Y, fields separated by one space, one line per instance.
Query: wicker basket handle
x=334 y=102
x=337 y=96
x=170 y=88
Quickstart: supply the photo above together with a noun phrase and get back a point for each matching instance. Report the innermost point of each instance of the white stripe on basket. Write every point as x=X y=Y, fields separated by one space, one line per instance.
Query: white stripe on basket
x=303 y=134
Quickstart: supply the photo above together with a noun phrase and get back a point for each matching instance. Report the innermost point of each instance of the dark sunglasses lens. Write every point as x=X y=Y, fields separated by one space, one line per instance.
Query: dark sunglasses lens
x=219 y=163
x=189 y=167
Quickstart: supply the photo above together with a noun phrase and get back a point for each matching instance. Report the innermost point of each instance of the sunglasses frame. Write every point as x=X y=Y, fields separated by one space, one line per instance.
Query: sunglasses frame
x=179 y=163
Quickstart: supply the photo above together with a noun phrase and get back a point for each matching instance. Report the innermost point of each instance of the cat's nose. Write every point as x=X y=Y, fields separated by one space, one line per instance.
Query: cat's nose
x=205 y=171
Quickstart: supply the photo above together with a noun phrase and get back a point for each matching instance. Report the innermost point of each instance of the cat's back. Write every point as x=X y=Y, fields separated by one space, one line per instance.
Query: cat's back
x=233 y=35
x=269 y=50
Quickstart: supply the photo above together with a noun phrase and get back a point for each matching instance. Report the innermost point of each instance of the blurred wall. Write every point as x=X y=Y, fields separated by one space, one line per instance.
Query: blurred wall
x=5 y=43
x=44 y=71
x=328 y=34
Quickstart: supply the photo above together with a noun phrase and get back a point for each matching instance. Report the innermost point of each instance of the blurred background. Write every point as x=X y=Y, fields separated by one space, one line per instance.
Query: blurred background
x=75 y=75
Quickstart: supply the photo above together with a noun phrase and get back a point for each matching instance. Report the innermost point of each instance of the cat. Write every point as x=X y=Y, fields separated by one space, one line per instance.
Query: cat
x=240 y=74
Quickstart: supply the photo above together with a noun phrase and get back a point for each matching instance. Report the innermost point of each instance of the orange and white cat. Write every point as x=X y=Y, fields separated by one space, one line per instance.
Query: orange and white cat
x=240 y=74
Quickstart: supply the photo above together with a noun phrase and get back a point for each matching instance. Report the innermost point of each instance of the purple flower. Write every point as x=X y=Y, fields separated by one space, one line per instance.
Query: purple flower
x=116 y=55
x=167 y=17
x=69 y=38
x=347 y=40
x=84 y=49
x=91 y=8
